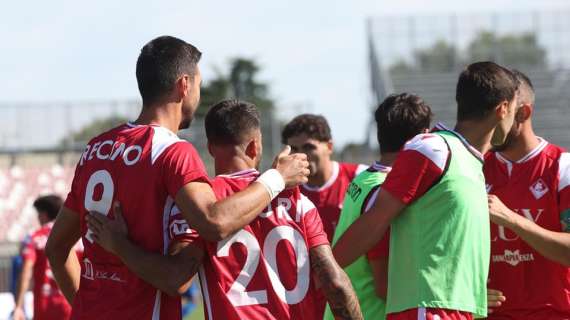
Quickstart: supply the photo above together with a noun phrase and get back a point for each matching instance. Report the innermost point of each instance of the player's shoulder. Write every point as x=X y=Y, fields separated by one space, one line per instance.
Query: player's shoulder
x=431 y=146
x=168 y=143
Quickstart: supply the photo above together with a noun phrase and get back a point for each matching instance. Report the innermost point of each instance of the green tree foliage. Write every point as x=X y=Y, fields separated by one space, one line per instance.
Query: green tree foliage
x=239 y=82
x=521 y=50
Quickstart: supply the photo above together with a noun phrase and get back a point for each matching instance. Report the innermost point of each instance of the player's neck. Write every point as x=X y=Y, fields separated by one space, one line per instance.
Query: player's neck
x=319 y=179
x=388 y=158
x=229 y=165
x=477 y=133
x=520 y=147
x=168 y=116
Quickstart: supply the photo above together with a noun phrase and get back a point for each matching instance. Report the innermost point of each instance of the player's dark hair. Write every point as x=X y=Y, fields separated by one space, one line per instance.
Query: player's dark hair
x=314 y=126
x=229 y=122
x=50 y=204
x=524 y=83
x=399 y=118
x=481 y=87
x=161 y=62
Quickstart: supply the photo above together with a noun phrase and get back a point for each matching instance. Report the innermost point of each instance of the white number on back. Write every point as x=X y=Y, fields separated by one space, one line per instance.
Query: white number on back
x=103 y=205
x=238 y=295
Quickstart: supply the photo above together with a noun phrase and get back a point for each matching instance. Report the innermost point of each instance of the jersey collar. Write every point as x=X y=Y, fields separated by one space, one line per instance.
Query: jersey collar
x=440 y=126
x=243 y=174
x=533 y=153
x=376 y=166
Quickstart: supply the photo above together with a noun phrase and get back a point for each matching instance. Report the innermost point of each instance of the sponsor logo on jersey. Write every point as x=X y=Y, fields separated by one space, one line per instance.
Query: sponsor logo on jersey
x=513 y=257
x=538 y=189
x=179 y=227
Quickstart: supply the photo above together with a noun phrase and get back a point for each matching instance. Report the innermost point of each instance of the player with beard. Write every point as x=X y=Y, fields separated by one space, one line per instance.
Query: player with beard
x=146 y=167
x=434 y=202
x=268 y=269
x=528 y=181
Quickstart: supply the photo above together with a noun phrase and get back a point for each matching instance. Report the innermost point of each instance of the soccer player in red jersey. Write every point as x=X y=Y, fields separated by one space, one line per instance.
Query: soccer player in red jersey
x=328 y=180
x=528 y=180
x=148 y=169
x=49 y=302
x=438 y=259
x=268 y=269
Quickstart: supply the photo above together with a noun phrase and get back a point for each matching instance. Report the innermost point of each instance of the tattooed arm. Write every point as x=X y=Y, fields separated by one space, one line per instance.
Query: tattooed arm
x=334 y=283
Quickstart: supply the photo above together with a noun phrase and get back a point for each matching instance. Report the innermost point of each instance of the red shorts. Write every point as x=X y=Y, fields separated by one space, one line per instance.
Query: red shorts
x=430 y=314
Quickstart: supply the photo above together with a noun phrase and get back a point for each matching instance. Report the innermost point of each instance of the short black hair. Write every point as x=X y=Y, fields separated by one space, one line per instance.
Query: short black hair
x=160 y=63
x=50 y=204
x=399 y=118
x=481 y=87
x=229 y=121
x=313 y=125
x=526 y=89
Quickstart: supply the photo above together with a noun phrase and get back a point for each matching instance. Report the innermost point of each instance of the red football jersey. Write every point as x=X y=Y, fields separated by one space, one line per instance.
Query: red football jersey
x=538 y=188
x=143 y=167
x=262 y=271
x=329 y=197
x=49 y=302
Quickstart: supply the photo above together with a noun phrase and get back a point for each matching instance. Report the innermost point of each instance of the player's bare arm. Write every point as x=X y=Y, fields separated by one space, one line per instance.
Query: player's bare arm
x=553 y=245
x=368 y=229
x=334 y=283
x=379 y=268
x=171 y=273
x=21 y=288
x=59 y=250
x=215 y=220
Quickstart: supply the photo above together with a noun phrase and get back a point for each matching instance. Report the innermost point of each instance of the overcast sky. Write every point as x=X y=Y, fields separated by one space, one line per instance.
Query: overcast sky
x=313 y=53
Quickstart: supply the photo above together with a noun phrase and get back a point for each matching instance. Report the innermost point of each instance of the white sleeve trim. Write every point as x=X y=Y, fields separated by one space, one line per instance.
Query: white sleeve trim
x=564 y=171
x=161 y=140
x=360 y=168
x=432 y=146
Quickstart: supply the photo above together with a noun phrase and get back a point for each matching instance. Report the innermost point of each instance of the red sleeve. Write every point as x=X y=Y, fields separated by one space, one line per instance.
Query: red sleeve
x=315 y=232
x=73 y=200
x=181 y=165
x=381 y=249
x=418 y=166
x=180 y=231
x=29 y=250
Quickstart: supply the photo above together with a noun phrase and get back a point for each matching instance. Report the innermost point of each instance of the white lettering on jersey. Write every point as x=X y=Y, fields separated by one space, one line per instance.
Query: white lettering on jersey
x=513 y=257
x=304 y=205
x=528 y=214
x=564 y=171
x=161 y=140
x=431 y=146
x=283 y=207
x=130 y=155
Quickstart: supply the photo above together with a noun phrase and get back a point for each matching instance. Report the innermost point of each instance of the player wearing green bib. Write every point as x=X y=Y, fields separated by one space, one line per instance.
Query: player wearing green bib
x=398 y=119
x=435 y=200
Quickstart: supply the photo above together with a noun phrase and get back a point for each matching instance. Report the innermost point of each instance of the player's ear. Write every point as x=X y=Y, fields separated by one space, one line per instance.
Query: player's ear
x=523 y=113
x=183 y=85
x=502 y=109
x=252 y=149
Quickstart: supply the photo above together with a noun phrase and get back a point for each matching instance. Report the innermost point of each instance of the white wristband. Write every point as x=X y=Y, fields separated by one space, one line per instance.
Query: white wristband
x=272 y=181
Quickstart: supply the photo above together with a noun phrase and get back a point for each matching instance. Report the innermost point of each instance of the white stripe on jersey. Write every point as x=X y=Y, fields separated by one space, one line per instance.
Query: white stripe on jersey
x=156 y=308
x=205 y=292
x=161 y=140
x=422 y=314
x=304 y=205
x=564 y=171
x=432 y=146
